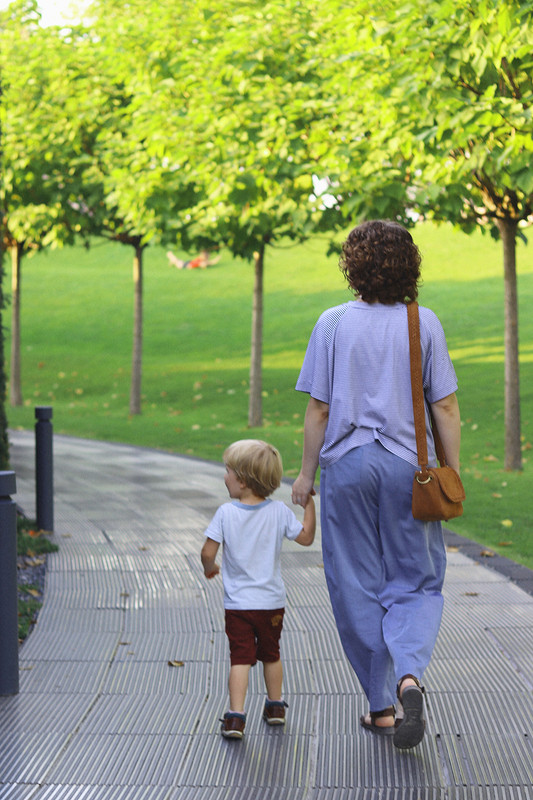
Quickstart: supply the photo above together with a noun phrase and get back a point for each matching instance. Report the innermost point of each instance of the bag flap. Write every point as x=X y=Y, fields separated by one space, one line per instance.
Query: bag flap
x=450 y=483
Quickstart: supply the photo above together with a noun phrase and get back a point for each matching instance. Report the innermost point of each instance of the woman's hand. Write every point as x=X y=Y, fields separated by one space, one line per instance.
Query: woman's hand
x=301 y=489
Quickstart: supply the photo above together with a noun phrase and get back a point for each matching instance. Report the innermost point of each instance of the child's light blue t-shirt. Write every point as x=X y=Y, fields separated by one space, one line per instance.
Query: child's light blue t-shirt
x=357 y=361
x=252 y=537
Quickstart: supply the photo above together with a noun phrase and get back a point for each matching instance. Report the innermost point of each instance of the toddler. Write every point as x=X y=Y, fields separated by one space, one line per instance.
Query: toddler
x=252 y=529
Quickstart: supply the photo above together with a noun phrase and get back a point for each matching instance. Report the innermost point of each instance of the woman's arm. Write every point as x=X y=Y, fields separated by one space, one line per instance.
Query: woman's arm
x=316 y=420
x=448 y=422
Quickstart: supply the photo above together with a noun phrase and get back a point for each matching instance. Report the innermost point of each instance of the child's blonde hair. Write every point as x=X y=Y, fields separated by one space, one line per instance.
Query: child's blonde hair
x=256 y=463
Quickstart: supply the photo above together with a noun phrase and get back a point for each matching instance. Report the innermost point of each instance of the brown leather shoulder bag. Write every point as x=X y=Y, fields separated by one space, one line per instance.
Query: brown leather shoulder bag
x=438 y=492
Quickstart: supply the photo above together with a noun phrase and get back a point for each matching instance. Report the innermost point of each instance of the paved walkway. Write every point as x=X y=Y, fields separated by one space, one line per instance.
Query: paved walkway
x=101 y=714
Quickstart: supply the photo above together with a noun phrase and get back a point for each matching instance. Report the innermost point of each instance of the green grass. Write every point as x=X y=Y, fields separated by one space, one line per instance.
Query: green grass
x=31 y=541
x=32 y=544
x=27 y=612
x=77 y=315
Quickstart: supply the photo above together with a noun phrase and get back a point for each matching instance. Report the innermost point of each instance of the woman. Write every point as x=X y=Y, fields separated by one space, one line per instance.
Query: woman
x=384 y=569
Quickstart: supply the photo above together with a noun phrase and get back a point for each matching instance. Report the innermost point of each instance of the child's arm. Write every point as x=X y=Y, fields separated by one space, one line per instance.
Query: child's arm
x=307 y=536
x=208 y=555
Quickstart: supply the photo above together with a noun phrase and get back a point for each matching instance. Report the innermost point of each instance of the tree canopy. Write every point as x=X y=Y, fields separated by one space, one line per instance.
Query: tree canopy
x=199 y=125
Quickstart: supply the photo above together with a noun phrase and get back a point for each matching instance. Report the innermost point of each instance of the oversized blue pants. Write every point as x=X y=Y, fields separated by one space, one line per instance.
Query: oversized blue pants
x=384 y=569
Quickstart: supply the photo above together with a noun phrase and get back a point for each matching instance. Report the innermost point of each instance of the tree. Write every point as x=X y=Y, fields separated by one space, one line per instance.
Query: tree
x=139 y=57
x=253 y=101
x=473 y=92
x=448 y=132
x=138 y=192
x=37 y=151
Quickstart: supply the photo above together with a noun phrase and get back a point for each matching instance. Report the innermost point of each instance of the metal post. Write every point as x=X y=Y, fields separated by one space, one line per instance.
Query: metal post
x=44 y=469
x=9 y=636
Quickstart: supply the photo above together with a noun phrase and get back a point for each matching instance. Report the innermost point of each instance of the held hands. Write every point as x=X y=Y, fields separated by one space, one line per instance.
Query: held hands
x=301 y=489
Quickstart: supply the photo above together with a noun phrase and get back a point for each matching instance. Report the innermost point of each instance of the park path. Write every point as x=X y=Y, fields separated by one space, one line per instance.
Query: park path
x=102 y=715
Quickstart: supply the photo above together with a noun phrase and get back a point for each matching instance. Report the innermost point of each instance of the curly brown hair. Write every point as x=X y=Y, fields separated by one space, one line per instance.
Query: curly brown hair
x=381 y=262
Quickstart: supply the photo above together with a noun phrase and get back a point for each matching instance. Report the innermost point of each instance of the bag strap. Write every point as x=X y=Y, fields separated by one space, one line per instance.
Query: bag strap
x=415 y=355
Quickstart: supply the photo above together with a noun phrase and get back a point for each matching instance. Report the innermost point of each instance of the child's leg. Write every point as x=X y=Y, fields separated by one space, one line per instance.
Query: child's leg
x=238 y=686
x=273 y=673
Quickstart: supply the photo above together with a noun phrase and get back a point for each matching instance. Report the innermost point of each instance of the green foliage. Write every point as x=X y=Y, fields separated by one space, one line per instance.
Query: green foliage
x=470 y=100
x=32 y=545
x=27 y=610
x=76 y=356
x=31 y=541
x=4 y=445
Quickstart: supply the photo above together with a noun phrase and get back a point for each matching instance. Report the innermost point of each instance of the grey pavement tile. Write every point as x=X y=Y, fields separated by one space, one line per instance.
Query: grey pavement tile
x=144 y=714
x=425 y=793
x=306 y=594
x=24 y=714
x=492 y=592
x=334 y=677
x=91 y=557
x=16 y=791
x=158 y=678
x=473 y=675
x=240 y=793
x=457 y=713
x=339 y=714
x=487 y=759
x=121 y=759
x=167 y=620
x=102 y=792
x=105 y=620
x=27 y=757
x=468 y=574
x=79 y=645
x=469 y=642
x=310 y=618
x=257 y=761
x=85 y=589
x=365 y=760
x=514 y=644
x=299 y=646
x=326 y=644
x=62 y=677
x=164 y=647
x=471 y=614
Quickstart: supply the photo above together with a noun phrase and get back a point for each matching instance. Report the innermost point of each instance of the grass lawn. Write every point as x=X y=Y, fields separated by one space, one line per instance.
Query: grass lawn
x=77 y=316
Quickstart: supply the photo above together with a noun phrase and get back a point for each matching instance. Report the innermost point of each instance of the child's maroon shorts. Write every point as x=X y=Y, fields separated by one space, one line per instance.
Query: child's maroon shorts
x=254 y=635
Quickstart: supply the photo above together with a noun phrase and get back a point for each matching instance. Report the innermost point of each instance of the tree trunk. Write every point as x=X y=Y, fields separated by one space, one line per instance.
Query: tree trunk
x=136 y=365
x=513 y=451
x=15 y=389
x=255 y=411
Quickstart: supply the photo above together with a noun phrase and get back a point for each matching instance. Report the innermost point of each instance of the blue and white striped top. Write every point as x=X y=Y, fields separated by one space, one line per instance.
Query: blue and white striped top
x=357 y=361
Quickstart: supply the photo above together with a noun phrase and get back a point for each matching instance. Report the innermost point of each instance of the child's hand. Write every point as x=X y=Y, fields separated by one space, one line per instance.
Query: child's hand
x=212 y=572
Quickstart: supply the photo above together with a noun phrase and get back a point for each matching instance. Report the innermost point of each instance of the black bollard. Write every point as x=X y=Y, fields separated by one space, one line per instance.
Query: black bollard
x=44 y=469
x=9 y=635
